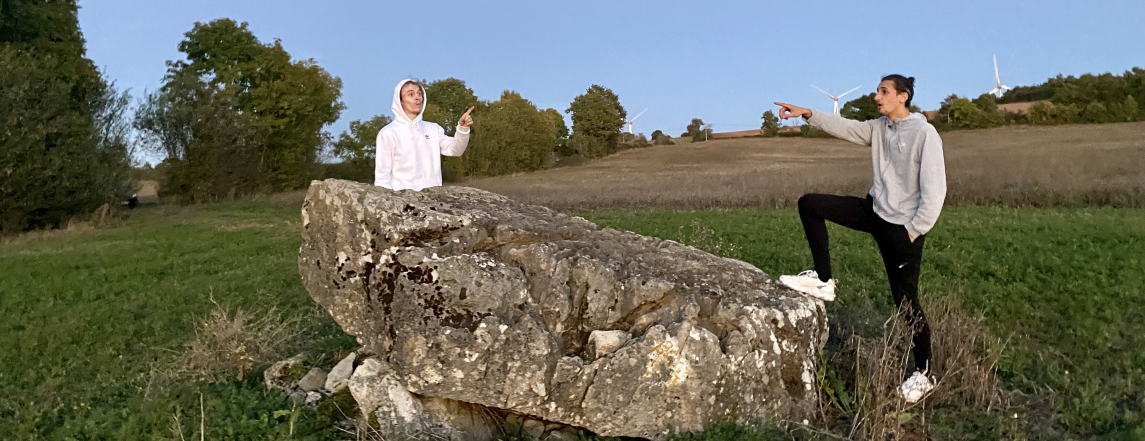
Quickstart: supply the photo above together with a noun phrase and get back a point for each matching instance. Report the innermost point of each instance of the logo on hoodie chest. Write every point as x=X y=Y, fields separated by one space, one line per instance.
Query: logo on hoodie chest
x=427 y=137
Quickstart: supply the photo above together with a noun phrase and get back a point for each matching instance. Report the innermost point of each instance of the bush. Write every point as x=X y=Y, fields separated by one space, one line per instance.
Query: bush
x=1048 y=113
x=807 y=131
x=659 y=138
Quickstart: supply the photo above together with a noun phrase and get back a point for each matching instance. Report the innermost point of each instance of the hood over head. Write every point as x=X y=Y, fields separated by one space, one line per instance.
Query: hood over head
x=396 y=107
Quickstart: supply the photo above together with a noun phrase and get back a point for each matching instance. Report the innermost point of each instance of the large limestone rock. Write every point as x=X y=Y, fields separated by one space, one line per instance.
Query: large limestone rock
x=470 y=296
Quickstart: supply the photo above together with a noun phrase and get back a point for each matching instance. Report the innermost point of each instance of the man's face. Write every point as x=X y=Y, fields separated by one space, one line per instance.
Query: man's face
x=888 y=99
x=412 y=97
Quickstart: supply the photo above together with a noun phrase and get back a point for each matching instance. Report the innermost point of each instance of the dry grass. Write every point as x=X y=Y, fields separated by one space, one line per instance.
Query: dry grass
x=1096 y=164
x=859 y=383
x=234 y=343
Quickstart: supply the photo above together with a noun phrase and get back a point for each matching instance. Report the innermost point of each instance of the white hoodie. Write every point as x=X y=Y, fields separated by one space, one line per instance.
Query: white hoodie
x=409 y=151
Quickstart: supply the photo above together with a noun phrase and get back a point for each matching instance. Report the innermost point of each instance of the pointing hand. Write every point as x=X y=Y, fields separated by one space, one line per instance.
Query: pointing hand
x=789 y=111
x=466 y=120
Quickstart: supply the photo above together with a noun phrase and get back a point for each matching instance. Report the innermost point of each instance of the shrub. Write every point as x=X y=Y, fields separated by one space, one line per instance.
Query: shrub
x=1048 y=113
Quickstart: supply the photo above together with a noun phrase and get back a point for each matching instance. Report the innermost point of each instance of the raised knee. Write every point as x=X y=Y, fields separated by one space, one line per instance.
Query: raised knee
x=804 y=202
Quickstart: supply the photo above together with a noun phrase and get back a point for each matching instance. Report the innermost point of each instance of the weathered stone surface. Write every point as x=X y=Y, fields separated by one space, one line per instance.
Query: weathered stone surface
x=398 y=414
x=340 y=374
x=278 y=375
x=313 y=380
x=473 y=297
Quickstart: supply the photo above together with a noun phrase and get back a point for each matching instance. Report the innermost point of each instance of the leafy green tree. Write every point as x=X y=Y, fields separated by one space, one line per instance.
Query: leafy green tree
x=1048 y=113
x=1130 y=109
x=64 y=151
x=597 y=117
x=770 y=125
x=451 y=98
x=991 y=117
x=212 y=149
x=511 y=135
x=357 y=146
x=965 y=115
x=862 y=108
x=290 y=102
x=560 y=129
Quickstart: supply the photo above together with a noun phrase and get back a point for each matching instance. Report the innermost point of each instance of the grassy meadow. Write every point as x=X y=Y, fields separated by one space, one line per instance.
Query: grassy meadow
x=1036 y=273
x=93 y=317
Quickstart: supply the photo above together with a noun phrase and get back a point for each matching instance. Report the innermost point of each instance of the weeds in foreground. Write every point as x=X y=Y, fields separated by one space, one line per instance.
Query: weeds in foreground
x=234 y=343
x=858 y=384
x=700 y=236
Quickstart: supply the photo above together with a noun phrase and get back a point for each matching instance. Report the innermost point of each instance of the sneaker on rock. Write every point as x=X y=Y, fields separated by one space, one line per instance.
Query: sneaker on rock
x=808 y=282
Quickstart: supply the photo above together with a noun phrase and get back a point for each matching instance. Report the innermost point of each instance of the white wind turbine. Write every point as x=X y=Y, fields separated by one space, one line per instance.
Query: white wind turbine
x=836 y=98
x=629 y=122
x=997 y=92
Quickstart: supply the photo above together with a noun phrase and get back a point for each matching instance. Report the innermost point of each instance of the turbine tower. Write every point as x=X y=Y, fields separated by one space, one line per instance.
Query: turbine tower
x=629 y=122
x=998 y=90
x=836 y=98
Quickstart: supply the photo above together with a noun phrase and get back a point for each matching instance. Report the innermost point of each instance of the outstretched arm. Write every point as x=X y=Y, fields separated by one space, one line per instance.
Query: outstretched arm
x=455 y=146
x=858 y=132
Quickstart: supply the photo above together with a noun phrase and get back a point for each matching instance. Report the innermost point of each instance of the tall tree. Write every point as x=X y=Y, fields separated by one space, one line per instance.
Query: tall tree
x=597 y=117
x=290 y=101
x=770 y=125
x=63 y=152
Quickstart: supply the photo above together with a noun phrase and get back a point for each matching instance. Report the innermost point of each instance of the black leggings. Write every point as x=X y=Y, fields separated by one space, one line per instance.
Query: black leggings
x=901 y=257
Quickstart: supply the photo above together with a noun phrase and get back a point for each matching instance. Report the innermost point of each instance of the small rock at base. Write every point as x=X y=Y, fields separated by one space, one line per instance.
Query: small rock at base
x=565 y=434
x=338 y=377
x=313 y=380
x=313 y=397
x=277 y=375
x=533 y=428
x=298 y=397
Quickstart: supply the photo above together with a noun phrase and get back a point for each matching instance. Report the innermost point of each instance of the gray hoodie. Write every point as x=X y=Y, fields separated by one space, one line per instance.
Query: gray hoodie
x=909 y=173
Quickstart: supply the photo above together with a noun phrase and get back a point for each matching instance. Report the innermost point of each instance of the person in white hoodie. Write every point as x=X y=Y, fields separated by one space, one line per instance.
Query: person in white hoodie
x=906 y=197
x=408 y=154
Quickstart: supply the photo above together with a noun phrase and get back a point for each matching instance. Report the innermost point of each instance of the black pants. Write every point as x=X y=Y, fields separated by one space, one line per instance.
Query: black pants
x=901 y=257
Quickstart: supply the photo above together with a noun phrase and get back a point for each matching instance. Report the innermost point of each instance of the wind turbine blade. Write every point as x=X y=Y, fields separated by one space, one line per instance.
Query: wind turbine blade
x=824 y=91
x=995 y=91
x=638 y=114
x=1007 y=87
x=996 y=77
x=849 y=91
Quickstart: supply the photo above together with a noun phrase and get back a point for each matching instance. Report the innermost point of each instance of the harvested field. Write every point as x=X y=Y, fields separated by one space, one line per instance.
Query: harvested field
x=1078 y=165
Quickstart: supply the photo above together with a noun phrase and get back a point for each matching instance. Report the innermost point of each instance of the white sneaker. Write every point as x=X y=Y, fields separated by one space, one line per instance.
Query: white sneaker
x=808 y=282
x=915 y=387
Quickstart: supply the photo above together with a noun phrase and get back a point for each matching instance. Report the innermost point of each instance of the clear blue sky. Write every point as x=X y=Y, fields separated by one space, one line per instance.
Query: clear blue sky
x=724 y=62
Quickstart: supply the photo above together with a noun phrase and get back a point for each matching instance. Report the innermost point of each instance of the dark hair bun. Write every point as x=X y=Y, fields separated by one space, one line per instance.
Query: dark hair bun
x=910 y=81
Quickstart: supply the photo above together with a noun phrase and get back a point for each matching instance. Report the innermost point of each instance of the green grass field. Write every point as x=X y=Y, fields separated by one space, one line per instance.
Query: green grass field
x=87 y=316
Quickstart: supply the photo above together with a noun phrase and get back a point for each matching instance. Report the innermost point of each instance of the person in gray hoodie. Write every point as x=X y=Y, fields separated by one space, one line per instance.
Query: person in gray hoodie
x=906 y=196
